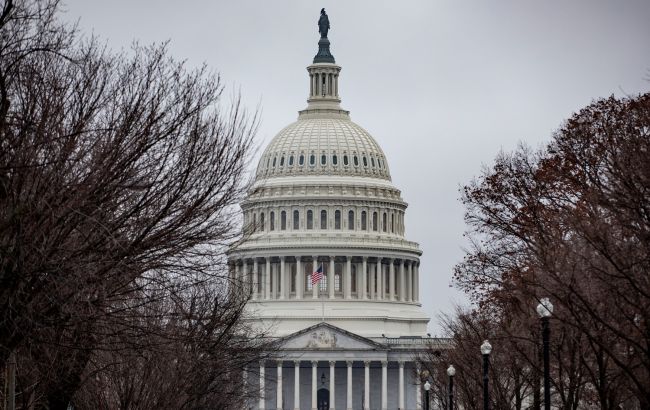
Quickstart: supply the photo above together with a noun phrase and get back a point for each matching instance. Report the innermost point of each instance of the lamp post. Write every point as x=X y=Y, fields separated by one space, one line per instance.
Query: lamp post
x=451 y=371
x=545 y=310
x=486 y=349
x=427 y=387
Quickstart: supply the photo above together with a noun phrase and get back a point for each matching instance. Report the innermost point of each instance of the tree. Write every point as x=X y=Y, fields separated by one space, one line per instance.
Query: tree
x=119 y=176
x=573 y=223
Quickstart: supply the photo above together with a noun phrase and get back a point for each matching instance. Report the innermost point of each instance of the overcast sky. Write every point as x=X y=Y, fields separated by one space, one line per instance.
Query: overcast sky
x=443 y=86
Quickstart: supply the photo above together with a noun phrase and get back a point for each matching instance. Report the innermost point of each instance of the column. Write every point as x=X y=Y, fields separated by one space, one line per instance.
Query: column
x=300 y=277
x=314 y=384
x=262 y=388
x=364 y=278
x=380 y=280
x=330 y=278
x=313 y=269
x=254 y=278
x=278 y=395
x=391 y=279
x=384 y=385
x=332 y=385
x=372 y=273
x=296 y=385
x=402 y=290
x=416 y=283
x=283 y=284
x=409 y=287
x=401 y=385
x=267 y=279
x=418 y=392
x=348 y=278
x=349 y=396
x=366 y=385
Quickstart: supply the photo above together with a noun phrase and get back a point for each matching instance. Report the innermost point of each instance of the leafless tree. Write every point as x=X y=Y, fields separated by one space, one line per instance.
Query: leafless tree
x=119 y=179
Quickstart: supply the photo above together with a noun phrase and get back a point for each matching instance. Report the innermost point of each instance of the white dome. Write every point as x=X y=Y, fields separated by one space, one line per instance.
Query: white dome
x=323 y=143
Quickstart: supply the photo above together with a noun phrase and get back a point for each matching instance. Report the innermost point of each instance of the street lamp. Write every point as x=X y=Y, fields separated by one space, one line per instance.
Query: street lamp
x=427 y=387
x=451 y=371
x=545 y=310
x=486 y=348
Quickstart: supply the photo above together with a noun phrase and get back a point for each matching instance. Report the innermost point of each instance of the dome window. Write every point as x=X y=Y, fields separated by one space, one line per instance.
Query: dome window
x=310 y=219
x=323 y=219
x=345 y=160
x=274 y=161
x=372 y=161
x=356 y=161
x=383 y=222
x=351 y=220
x=374 y=221
x=291 y=161
x=365 y=161
x=379 y=163
x=335 y=160
x=364 y=221
x=261 y=227
x=337 y=219
x=323 y=159
x=312 y=160
x=283 y=220
x=301 y=161
x=272 y=221
x=296 y=220
x=282 y=161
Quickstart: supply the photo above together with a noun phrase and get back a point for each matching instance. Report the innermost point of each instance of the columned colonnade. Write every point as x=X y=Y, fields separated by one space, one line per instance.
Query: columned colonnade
x=333 y=393
x=345 y=277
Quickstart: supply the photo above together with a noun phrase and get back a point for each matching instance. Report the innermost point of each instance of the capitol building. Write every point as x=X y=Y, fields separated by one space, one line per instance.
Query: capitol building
x=323 y=200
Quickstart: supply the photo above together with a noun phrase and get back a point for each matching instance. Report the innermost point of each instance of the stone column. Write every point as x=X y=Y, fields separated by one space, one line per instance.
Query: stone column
x=267 y=279
x=314 y=384
x=391 y=279
x=254 y=278
x=416 y=281
x=409 y=282
x=330 y=278
x=348 y=278
x=283 y=275
x=278 y=394
x=384 y=385
x=372 y=273
x=366 y=385
x=401 y=385
x=349 y=396
x=314 y=288
x=300 y=276
x=364 y=278
x=402 y=293
x=262 y=405
x=380 y=278
x=332 y=385
x=418 y=392
x=296 y=385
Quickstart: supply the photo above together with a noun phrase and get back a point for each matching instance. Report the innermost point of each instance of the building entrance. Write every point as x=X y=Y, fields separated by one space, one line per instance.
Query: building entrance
x=323 y=399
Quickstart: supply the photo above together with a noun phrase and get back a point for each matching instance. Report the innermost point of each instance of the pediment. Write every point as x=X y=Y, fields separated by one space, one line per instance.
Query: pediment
x=324 y=336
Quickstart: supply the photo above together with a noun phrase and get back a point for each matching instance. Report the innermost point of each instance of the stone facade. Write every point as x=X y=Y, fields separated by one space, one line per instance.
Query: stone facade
x=323 y=198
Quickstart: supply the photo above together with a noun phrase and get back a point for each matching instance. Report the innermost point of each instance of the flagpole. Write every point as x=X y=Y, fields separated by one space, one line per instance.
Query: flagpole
x=322 y=302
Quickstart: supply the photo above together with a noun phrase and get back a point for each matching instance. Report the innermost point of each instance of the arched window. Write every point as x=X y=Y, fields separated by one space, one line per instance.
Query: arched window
x=296 y=220
x=255 y=222
x=283 y=220
x=374 y=221
x=272 y=221
x=365 y=161
x=335 y=160
x=282 y=161
x=379 y=163
x=350 y=220
x=372 y=161
x=323 y=159
x=345 y=160
x=356 y=161
x=268 y=162
x=262 y=227
x=310 y=219
x=323 y=219
x=392 y=223
x=291 y=161
x=384 y=224
x=274 y=160
x=312 y=160
x=364 y=221
x=353 y=279
x=301 y=161
x=337 y=219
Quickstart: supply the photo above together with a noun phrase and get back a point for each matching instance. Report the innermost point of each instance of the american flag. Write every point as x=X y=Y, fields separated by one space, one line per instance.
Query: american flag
x=317 y=275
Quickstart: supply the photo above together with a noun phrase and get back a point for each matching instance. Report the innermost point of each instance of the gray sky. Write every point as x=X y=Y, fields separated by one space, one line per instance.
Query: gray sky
x=442 y=85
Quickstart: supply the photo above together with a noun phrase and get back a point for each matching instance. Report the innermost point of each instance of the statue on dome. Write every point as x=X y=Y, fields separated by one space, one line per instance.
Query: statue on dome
x=323 y=24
